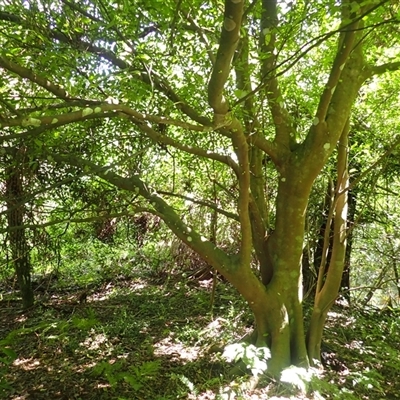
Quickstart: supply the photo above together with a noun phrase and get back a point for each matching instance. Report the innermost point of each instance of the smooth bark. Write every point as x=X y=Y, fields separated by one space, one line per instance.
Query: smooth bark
x=329 y=282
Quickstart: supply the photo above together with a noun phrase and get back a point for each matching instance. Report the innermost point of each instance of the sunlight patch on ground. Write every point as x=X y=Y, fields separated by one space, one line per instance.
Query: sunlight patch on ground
x=356 y=344
x=21 y=319
x=208 y=395
x=214 y=328
x=103 y=386
x=206 y=284
x=27 y=364
x=94 y=343
x=167 y=347
x=111 y=289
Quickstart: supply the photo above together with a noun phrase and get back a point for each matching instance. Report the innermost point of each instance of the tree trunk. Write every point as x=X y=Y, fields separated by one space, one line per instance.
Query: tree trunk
x=328 y=287
x=345 y=283
x=393 y=259
x=376 y=285
x=323 y=247
x=17 y=238
x=285 y=248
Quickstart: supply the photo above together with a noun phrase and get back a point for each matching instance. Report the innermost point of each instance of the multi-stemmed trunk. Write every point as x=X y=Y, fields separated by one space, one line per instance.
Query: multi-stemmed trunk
x=277 y=304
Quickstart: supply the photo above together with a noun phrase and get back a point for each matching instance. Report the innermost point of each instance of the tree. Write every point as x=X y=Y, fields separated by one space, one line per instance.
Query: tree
x=234 y=83
x=16 y=167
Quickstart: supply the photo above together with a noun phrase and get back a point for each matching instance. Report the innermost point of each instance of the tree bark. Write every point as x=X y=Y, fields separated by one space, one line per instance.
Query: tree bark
x=328 y=286
x=17 y=238
x=345 y=283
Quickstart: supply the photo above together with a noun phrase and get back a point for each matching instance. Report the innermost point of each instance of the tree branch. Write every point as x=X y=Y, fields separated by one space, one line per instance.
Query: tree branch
x=159 y=83
x=282 y=120
x=205 y=248
x=164 y=87
x=28 y=74
x=270 y=148
x=75 y=220
x=243 y=80
x=202 y=35
x=346 y=47
x=241 y=147
x=159 y=138
x=388 y=67
x=202 y=203
x=101 y=110
x=80 y=10
x=40 y=128
x=228 y=41
x=306 y=48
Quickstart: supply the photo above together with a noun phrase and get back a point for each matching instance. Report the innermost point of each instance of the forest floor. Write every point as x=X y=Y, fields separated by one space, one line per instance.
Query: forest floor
x=135 y=339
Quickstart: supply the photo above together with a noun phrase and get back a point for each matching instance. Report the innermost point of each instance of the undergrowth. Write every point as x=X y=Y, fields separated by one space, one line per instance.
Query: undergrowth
x=139 y=338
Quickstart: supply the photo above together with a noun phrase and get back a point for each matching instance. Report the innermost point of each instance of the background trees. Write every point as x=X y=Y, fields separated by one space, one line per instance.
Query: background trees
x=229 y=108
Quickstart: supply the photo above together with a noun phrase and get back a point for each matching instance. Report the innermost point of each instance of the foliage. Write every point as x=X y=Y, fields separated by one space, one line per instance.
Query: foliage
x=255 y=359
x=243 y=128
x=153 y=341
x=7 y=356
x=135 y=376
